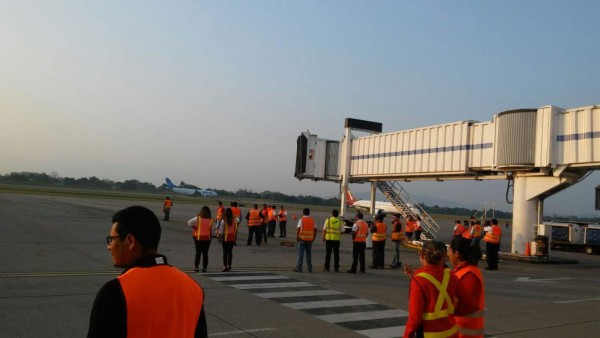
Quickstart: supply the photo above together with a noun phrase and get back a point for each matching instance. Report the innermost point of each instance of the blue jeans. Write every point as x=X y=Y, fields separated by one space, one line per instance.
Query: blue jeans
x=302 y=248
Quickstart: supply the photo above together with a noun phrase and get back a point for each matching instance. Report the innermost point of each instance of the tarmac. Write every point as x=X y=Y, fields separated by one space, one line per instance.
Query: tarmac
x=55 y=259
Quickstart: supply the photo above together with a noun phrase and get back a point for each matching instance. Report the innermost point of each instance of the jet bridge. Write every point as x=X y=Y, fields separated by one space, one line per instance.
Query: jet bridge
x=542 y=151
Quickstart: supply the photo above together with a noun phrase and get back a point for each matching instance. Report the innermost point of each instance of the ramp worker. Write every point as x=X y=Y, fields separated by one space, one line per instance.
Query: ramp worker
x=397 y=239
x=305 y=235
x=282 y=222
x=379 y=230
x=492 y=245
x=359 y=243
x=332 y=234
x=150 y=298
x=167 y=208
x=255 y=220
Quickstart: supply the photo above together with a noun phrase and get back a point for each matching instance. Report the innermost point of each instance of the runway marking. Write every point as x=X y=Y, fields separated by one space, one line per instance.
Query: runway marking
x=298 y=293
x=362 y=316
x=544 y=280
x=577 y=301
x=241 y=331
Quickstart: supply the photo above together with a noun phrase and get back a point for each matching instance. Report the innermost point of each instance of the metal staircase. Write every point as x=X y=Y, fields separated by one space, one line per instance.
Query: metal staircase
x=406 y=206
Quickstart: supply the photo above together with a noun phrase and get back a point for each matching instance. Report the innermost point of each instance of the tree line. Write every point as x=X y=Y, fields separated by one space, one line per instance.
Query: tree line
x=53 y=179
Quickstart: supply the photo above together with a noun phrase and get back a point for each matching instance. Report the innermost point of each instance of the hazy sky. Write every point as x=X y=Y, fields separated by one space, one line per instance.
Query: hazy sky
x=215 y=93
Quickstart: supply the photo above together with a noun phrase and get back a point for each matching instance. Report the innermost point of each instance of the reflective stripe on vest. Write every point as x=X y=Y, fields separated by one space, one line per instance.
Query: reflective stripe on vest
x=230 y=231
x=307 y=229
x=442 y=298
x=361 y=233
x=254 y=218
x=333 y=231
x=397 y=236
x=379 y=235
x=494 y=235
x=161 y=301
x=203 y=229
x=472 y=324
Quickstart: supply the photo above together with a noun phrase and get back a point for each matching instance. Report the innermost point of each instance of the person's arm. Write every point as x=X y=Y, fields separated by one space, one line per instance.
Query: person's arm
x=193 y=222
x=201 y=329
x=298 y=228
x=325 y=228
x=109 y=312
x=467 y=292
x=416 y=306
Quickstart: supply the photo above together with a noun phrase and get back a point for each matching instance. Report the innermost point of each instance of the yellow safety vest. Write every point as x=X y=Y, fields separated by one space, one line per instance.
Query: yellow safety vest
x=333 y=229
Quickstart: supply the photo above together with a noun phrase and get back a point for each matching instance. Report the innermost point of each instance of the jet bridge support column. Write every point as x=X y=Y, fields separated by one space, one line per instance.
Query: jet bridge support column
x=528 y=203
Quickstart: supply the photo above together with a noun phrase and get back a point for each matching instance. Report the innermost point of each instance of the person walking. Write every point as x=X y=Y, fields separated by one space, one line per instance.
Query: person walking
x=150 y=298
x=227 y=236
x=464 y=258
x=202 y=233
x=492 y=245
x=255 y=220
x=378 y=230
x=397 y=239
x=435 y=295
x=359 y=238
x=305 y=235
x=220 y=211
x=237 y=212
x=332 y=234
x=282 y=221
x=167 y=205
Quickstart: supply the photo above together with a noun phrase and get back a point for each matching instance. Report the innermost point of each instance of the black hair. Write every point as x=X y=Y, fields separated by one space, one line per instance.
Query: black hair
x=359 y=215
x=141 y=223
x=229 y=216
x=494 y=221
x=468 y=252
x=335 y=213
x=306 y=211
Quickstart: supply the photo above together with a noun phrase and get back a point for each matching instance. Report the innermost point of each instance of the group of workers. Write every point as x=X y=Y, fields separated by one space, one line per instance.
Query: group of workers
x=442 y=302
x=490 y=232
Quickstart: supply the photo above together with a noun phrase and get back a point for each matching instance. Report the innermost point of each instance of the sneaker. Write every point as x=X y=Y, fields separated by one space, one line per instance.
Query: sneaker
x=351 y=271
x=325 y=270
x=225 y=269
x=204 y=270
x=196 y=270
x=296 y=270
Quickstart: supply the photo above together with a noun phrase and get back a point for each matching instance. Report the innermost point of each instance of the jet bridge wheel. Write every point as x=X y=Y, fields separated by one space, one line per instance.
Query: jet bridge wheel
x=589 y=250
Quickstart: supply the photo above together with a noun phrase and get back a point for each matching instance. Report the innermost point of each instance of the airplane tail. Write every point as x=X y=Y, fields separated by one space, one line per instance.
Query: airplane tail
x=170 y=184
x=350 y=199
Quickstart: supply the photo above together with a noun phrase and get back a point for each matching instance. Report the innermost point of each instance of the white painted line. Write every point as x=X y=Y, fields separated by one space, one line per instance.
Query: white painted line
x=298 y=293
x=386 y=332
x=367 y=315
x=328 y=303
x=545 y=280
x=243 y=278
x=270 y=285
x=240 y=331
x=576 y=301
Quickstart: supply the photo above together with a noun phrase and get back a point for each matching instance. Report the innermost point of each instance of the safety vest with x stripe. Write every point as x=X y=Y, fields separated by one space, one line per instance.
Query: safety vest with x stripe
x=432 y=326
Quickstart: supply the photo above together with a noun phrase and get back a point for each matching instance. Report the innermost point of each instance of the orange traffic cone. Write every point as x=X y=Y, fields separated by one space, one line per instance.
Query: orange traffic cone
x=527 y=249
x=294 y=216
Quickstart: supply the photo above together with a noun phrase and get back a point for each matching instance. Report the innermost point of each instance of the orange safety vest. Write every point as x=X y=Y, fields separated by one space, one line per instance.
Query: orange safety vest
x=230 y=231
x=459 y=229
x=283 y=216
x=237 y=212
x=220 y=213
x=494 y=235
x=437 y=321
x=361 y=233
x=472 y=324
x=410 y=226
x=203 y=229
x=467 y=233
x=265 y=213
x=307 y=229
x=254 y=218
x=379 y=235
x=161 y=301
x=272 y=215
x=476 y=231
x=168 y=204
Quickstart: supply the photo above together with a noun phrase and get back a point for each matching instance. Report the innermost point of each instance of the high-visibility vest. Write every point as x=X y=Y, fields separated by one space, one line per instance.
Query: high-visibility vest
x=397 y=236
x=476 y=231
x=272 y=215
x=230 y=231
x=333 y=229
x=161 y=301
x=379 y=235
x=265 y=213
x=220 y=213
x=254 y=218
x=203 y=229
x=307 y=229
x=282 y=215
x=458 y=229
x=410 y=226
x=168 y=204
x=432 y=327
x=494 y=235
x=472 y=324
x=467 y=233
x=361 y=232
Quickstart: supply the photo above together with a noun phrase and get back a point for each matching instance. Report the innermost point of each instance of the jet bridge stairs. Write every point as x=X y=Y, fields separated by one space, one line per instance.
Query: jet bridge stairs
x=408 y=207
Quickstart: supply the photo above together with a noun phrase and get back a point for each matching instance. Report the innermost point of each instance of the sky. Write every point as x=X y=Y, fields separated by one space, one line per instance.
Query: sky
x=215 y=93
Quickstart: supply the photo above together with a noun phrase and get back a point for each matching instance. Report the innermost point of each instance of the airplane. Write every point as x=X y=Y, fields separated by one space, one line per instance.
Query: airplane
x=189 y=191
x=364 y=206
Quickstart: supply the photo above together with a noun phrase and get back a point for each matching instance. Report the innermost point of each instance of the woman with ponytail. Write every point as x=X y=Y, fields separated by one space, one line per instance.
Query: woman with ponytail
x=227 y=235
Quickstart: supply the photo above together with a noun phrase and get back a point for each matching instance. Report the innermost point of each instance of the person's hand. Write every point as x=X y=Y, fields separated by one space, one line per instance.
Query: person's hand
x=408 y=270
